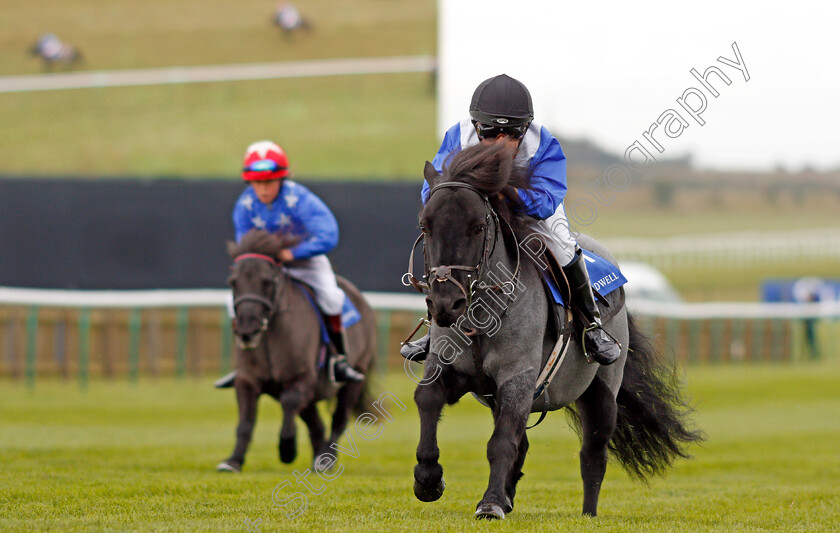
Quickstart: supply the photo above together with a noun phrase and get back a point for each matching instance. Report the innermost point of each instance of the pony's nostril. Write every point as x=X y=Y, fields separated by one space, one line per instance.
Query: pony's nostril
x=246 y=337
x=459 y=306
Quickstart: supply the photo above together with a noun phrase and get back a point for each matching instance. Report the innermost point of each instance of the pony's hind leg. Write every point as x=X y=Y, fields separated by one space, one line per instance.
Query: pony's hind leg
x=347 y=397
x=317 y=431
x=246 y=397
x=513 y=403
x=292 y=400
x=597 y=409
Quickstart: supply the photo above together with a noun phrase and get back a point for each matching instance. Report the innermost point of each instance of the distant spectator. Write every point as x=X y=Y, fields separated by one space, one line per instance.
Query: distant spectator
x=289 y=18
x=52 y=51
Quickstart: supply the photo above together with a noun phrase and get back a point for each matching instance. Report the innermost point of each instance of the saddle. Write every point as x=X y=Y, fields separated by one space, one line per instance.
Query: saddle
x=310 y=295
x=558 y=292
x=609 y=278
x=349 y=316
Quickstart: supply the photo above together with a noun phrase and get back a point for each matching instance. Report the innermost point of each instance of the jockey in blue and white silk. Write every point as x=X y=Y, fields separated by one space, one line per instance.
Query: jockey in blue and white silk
x=541 y=152
x=501 y=109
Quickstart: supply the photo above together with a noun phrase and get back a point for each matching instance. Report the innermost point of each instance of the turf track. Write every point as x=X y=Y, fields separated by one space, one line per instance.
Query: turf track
x=121 y=457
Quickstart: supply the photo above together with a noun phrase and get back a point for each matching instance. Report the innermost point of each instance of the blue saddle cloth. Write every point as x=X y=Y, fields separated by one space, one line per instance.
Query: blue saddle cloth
x=349 y=314
x=604 y=276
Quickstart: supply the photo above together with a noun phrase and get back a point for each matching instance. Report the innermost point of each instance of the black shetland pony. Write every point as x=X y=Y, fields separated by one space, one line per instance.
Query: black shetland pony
x=278 y=349
x=493 y=331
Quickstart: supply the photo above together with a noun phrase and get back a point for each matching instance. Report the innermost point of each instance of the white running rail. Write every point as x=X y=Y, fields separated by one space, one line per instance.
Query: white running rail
x=394 y=302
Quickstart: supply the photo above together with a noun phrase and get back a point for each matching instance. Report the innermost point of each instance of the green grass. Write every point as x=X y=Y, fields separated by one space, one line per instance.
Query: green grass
x=743 y=284
x=343 y=126
x=637 y=221
x=380 y=126
x=120 y=457
x=735 y=283
x=160 y=33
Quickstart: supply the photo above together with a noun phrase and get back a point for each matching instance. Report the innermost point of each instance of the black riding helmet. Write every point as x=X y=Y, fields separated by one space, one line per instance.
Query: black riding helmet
x=502 y=101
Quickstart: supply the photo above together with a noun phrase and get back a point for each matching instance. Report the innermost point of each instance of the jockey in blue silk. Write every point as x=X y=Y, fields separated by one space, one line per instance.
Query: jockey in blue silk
x=501 y=111
x=275 y=203
x=296 y=212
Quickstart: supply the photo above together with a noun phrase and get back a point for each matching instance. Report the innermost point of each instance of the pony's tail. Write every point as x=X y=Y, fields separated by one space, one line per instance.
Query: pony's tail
x=653 y=427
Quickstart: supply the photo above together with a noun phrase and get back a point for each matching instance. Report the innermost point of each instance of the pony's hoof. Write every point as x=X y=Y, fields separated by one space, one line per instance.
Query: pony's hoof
x=288 y=450
x=425 y=495
x=490 y=511
x=321 y=464
x=508 y=504
x=229 y=466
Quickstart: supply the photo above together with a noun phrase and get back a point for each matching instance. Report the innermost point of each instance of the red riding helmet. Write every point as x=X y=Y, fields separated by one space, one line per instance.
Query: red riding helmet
x=264 y=160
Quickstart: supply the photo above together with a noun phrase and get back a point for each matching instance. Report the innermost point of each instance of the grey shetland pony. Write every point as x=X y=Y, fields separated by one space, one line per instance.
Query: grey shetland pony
x=492 y=332
x=54 y=52
x=278 y=349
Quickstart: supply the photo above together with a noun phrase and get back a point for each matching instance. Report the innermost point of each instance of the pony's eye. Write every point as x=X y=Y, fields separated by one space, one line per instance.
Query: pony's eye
x=479 y=229
x=232 y=282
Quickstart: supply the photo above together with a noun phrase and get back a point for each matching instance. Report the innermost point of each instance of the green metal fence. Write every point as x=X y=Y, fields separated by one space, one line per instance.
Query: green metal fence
x=91 y=341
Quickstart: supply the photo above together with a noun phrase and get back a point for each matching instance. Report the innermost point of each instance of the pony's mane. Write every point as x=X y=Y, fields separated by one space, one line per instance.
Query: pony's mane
x=490 y=168
x=258 y=241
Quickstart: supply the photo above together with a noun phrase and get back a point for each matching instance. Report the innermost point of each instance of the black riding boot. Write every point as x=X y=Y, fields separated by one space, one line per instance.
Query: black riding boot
x=416 y=350
x=339 y=369
x=597 y=345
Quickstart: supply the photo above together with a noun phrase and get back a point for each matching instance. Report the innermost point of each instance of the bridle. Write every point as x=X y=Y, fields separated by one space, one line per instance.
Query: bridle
x=269 y=303
x=443 y=273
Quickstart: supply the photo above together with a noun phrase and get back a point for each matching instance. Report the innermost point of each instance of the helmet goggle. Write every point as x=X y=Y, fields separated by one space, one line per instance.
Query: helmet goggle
x=263 y=165
x=491 y=131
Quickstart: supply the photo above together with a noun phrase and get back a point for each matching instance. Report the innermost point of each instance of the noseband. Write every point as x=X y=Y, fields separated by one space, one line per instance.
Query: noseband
x=443 y=273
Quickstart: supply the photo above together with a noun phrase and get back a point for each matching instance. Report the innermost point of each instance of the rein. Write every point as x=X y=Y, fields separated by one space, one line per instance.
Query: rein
x=443 y=273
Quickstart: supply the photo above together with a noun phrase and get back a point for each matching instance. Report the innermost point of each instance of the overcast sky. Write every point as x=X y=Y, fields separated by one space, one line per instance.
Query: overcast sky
x=608 y=70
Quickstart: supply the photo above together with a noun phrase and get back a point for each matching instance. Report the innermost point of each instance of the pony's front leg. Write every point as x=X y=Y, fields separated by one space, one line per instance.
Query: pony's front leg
x=428 y=473
x=246 y=397
x=292 y=401
x=513 y=403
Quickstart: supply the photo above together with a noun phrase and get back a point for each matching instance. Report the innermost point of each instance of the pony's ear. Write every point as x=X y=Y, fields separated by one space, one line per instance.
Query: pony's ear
x=431 y=175
x=231 y=249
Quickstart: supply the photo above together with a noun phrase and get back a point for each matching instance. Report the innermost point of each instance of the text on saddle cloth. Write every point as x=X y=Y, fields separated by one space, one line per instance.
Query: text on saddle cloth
x=604 y=276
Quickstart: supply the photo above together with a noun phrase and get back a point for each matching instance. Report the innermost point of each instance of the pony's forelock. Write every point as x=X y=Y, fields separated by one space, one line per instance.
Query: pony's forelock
x=490 y=167
x=258 y=241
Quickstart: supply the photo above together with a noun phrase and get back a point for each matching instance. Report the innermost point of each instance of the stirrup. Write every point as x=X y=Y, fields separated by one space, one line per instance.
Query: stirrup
x=604 y=356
